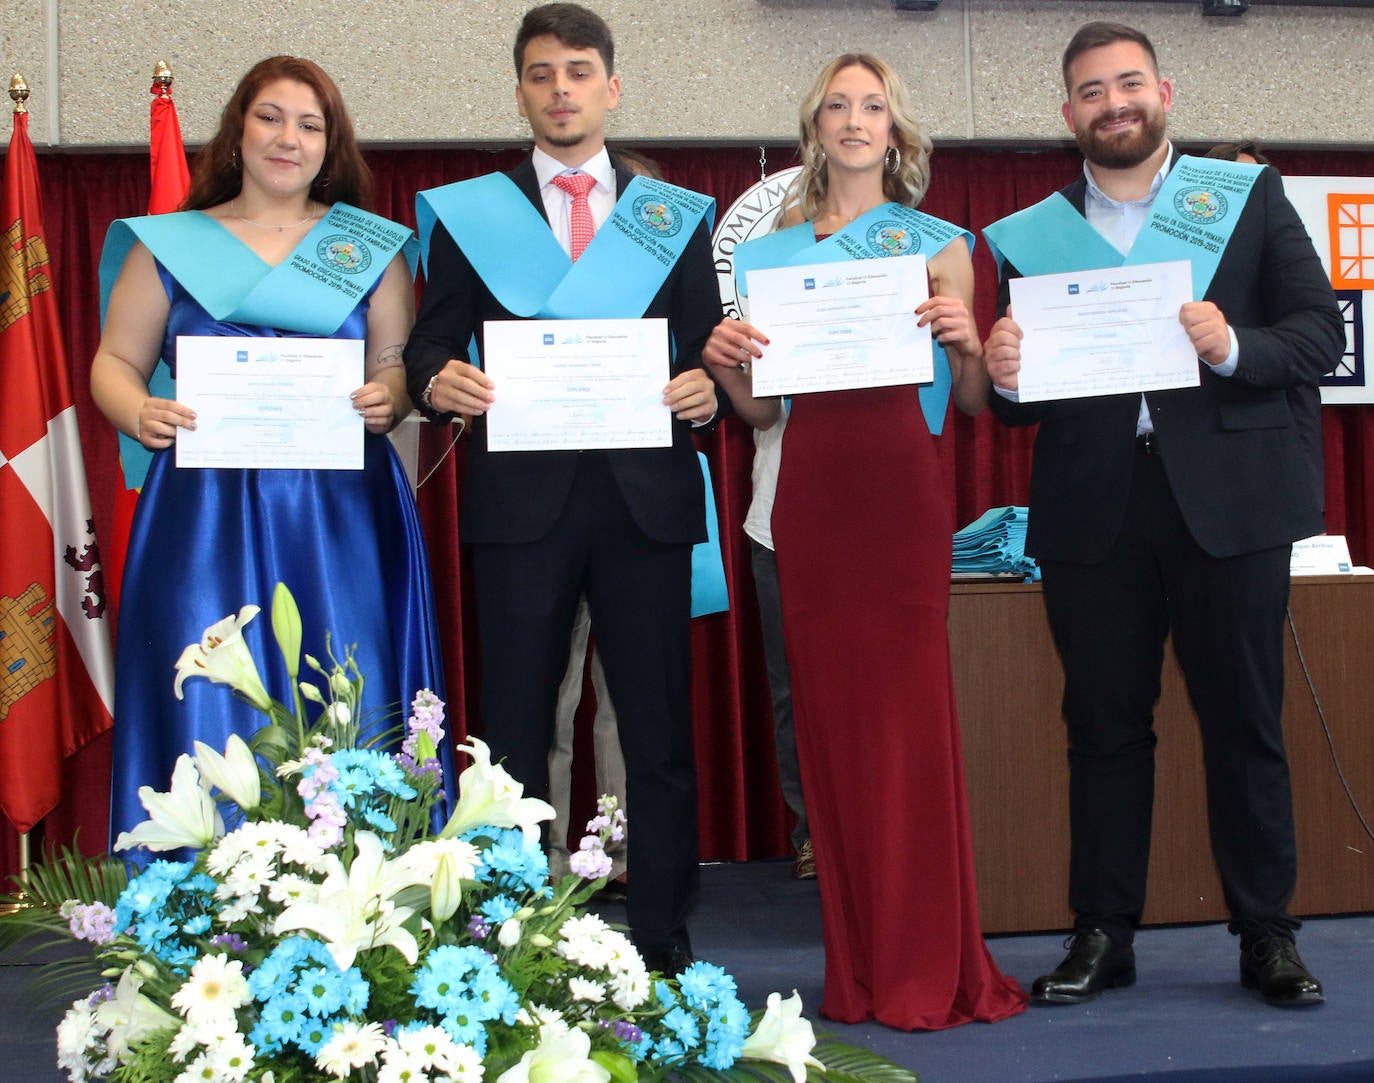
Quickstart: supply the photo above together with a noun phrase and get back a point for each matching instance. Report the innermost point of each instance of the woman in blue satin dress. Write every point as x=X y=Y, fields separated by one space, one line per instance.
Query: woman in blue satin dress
x=266 y=198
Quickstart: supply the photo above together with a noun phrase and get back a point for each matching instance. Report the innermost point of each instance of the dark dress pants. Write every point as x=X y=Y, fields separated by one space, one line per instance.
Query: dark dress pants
x=1109 y=621
x=639 y=592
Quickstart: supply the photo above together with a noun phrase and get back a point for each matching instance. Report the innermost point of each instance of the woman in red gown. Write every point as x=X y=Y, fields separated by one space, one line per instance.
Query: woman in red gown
x=863 y=528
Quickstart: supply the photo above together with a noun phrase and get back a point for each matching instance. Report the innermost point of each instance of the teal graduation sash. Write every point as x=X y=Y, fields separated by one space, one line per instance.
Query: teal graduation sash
x=887 y=230
x=1192 y=218
x=512 y=249
x=709 y=593
x=311 y=292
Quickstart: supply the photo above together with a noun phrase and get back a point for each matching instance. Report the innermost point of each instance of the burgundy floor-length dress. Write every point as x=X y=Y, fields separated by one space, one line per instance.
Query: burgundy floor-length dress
x=863 y=535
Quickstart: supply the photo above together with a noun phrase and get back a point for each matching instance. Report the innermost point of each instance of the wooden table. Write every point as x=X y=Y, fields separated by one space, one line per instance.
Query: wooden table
x=1009 y=683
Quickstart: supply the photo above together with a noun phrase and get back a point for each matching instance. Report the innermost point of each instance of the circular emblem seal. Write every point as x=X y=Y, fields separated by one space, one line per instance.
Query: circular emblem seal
x=892 y=239
x=1201 y=205
x=751 y=215
x=657 y=216
x=344 y=253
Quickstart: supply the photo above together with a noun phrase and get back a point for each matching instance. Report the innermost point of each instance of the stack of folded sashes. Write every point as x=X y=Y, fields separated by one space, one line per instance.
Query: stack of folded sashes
x=994 y=544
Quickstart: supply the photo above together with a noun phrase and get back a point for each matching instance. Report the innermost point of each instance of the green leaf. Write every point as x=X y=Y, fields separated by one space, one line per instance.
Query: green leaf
x=30 y=922
x=621 y=1067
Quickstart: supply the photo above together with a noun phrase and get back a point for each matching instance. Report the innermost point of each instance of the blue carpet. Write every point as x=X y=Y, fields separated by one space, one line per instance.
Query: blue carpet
x=1187 y=1020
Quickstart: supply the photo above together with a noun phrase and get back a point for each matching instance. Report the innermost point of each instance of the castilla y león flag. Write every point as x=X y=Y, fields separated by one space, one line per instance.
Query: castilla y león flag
x=56 y=678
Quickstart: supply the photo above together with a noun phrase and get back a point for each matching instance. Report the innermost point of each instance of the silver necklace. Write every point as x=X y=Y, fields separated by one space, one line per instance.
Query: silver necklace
x=269 y=225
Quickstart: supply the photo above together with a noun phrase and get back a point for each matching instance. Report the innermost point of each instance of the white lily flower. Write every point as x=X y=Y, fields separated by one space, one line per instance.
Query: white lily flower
x=783 y=1037
x=222 y=656
x=185 y=816
x=353 y=910
x=235 y=774
x=563 y=1056
x=488 y=795
x=443 y=864
x=131 y=1017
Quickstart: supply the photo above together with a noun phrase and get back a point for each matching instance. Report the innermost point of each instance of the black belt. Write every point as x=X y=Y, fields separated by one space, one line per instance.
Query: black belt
x=1148 y=442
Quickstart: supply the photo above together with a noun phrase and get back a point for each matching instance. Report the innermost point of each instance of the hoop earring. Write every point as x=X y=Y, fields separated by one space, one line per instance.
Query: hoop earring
x=816 y=158
x=322 y=181
x=892 y=160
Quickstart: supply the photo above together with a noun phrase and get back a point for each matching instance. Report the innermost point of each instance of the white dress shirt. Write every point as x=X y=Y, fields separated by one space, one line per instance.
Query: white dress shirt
x=558 y=203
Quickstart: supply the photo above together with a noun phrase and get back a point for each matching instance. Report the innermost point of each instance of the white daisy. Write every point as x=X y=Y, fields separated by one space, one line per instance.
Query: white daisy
x=582 y=989
x=431 y=1045
x=352 y=1046
x=213 y=991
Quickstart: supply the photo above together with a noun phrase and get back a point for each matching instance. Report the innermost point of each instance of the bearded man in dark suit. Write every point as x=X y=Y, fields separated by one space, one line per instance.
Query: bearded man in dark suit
x=1174 y=512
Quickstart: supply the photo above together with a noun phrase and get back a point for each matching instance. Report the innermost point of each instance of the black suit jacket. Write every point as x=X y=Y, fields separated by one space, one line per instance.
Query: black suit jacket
x=516 y=496
x=1237 y=459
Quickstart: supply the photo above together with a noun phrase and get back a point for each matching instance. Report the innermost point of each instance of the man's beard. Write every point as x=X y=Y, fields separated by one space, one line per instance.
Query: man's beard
x=566 y=139
x=1118 y=150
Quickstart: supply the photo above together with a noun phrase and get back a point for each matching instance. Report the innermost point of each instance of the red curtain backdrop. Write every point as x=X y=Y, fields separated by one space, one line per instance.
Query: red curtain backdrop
x=986 y=465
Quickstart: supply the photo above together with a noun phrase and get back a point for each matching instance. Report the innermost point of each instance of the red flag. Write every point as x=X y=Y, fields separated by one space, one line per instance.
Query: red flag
x=56 y=678
x=166 y=153
x=171 y=181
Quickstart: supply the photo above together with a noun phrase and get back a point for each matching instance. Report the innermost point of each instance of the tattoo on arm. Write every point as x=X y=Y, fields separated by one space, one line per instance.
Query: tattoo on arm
x=389 y=358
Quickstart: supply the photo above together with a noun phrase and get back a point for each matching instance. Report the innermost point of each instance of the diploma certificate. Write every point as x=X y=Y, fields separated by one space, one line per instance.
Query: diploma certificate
x=1104 y=332
x=264 y=403
x=833 y=326
x=577 y=384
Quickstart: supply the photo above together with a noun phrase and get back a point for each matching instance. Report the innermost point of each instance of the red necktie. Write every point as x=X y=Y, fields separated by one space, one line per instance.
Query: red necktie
x=580 y=225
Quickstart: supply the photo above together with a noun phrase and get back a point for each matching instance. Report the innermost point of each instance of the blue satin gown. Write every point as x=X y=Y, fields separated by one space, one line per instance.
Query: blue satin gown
x=204 y=543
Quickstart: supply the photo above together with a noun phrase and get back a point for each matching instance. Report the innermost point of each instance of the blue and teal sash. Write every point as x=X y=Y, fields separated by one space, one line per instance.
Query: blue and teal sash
x=888 y=230
x=513 y=251
x=310 y=292
x=1192 y=218
x=709 y=594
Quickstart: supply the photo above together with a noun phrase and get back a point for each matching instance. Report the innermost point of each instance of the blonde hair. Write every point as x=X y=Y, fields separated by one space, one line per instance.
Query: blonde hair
x=806 y=194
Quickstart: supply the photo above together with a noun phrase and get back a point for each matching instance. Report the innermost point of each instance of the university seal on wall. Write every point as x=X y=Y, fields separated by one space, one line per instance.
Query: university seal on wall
x=750 y=216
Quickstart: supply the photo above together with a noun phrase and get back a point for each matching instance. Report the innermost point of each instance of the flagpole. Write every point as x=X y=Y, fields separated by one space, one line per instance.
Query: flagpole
x=19 y=94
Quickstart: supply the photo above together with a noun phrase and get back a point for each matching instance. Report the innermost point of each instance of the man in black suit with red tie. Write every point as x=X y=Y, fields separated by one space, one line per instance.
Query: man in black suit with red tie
x=1174 y=512
x=618 y=525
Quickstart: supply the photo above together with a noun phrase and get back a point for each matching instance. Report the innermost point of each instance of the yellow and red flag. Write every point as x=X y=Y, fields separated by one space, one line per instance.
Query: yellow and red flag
x=56 y=677
x=171 y=181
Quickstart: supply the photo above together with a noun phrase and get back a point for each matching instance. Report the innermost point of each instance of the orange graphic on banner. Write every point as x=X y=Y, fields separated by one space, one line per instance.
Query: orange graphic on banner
x=1350 y=218
x=22 y=273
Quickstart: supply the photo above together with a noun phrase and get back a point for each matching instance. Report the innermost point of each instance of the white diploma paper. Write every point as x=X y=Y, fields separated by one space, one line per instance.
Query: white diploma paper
x=577 y=384
x=264 y=403
x=1104 y=332
x=833 y=326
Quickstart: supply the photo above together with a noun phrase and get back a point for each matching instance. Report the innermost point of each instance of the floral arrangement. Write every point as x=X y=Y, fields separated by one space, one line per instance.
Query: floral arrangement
x=322 y=929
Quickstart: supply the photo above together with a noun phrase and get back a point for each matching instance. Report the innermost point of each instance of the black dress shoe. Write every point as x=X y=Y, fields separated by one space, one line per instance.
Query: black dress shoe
x=670 y=962
x=1273 y=966
x=1095 y=962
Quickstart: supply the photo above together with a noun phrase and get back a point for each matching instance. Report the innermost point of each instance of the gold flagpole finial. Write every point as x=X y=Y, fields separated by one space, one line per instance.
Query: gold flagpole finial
x=19 y=93
x=162 y=79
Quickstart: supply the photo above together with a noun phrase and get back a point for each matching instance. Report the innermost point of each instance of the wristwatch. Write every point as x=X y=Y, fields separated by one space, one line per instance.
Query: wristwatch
x=428 y=391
